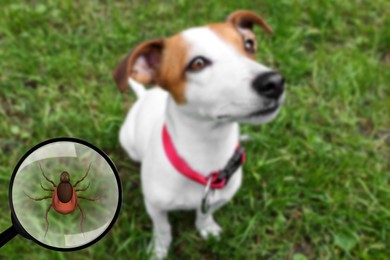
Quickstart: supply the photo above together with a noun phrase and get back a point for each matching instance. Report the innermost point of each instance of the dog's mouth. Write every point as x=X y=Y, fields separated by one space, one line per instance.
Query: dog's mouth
x=262 y=112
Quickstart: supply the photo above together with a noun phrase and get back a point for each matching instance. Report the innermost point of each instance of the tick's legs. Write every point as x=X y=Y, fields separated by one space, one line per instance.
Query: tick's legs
x=85 y=198
x=85 y=176
x=82 y=211
x=83 y=189
x=47 y=222
x=46 y=189
x=52 y=182
x=82 y=219
x=43 y=198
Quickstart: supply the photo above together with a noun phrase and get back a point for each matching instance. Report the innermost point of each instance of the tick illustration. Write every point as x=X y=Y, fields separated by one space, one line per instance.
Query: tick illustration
x=64 y=197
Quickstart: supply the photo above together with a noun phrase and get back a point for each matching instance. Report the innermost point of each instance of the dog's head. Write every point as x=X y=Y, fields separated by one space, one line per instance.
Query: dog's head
x=210 y=71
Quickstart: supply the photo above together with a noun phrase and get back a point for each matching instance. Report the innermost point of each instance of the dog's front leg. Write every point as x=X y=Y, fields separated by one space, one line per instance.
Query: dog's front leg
x=206 y=224
x=161 y=231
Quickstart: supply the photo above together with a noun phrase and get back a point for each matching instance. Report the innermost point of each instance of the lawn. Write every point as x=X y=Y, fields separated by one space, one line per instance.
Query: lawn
x=317 y=179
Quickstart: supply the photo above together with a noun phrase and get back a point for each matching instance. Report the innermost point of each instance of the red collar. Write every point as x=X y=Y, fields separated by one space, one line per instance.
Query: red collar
x=219 y=178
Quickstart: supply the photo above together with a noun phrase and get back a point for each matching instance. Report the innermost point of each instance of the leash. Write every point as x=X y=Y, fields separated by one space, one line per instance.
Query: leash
x=214 y=180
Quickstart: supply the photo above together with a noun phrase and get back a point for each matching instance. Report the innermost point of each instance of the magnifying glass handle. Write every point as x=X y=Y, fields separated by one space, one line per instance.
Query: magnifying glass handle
x=7 y=235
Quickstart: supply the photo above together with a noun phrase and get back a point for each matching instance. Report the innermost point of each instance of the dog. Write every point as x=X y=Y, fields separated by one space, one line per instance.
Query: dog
x=185 y=132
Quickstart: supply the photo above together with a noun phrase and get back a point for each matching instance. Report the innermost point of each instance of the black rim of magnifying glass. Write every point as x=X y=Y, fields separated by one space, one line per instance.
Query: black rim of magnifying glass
x=15 y=220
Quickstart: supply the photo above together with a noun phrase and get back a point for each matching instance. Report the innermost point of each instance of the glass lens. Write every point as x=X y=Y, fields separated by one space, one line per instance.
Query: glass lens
x=65 y=194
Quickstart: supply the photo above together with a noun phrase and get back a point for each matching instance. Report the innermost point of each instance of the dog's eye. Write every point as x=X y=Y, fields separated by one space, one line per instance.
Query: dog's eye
x=197 y=64
x=249 y=46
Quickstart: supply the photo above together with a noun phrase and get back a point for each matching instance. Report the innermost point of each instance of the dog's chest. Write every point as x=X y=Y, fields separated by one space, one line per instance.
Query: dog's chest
x=171 y=191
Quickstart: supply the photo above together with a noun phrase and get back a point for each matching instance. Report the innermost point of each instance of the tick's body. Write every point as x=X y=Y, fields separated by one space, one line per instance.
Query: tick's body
x=64 y=198
x=65 y=207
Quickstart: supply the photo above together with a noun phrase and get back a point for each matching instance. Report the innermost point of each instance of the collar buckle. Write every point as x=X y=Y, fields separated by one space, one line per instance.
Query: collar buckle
x=234 y=163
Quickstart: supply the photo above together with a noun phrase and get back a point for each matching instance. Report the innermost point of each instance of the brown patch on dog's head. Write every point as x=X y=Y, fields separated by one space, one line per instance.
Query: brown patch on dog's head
x=171 y=75
x=160 y=62
x=238 y=31
x=227 y=32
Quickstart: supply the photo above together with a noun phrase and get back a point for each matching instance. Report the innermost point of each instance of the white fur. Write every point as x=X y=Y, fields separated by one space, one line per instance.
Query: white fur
x=203 y=139
x=139 y=89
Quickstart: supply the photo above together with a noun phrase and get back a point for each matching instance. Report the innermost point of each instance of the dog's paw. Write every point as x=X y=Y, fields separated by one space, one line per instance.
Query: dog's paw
x=210 y=229
x=156 y=251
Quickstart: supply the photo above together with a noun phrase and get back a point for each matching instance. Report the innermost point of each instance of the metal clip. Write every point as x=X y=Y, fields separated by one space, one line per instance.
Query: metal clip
x=205 y=205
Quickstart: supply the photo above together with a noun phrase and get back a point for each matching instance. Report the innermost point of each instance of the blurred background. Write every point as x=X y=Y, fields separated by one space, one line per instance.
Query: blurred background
x=317 y=179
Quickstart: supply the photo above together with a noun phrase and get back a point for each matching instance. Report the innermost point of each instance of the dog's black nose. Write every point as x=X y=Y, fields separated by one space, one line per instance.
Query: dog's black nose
x=269 y=84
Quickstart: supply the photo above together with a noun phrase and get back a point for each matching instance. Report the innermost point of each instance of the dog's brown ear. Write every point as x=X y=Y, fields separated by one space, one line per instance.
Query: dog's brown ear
x=243 y=19
x=141 y=64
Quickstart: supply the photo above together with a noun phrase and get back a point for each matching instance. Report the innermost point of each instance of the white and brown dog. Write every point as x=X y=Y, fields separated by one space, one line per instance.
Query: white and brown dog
x=186 y=132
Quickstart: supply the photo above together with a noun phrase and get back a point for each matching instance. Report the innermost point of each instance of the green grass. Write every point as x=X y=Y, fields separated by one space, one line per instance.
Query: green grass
x=317 y=179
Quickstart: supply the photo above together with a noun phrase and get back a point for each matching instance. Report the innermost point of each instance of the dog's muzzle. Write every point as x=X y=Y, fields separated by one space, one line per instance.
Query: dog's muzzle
x=269 y=85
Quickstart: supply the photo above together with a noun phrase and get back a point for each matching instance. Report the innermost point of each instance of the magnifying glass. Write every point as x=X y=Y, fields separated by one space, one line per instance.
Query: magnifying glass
x=65 y=194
